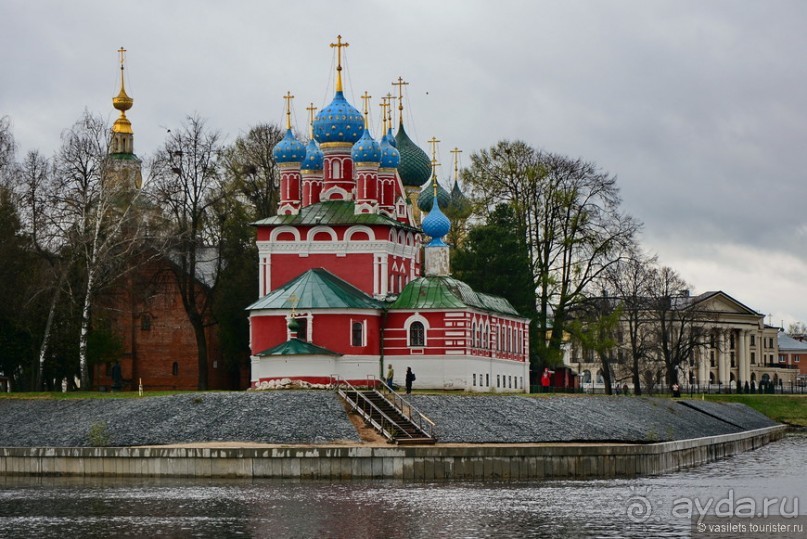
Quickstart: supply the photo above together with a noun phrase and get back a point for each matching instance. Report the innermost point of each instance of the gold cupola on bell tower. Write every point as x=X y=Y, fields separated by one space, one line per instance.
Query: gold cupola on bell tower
x=124 y=165
x=122 y=134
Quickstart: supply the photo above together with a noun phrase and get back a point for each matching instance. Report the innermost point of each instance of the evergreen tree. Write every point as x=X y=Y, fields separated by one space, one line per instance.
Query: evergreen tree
x=494 y=259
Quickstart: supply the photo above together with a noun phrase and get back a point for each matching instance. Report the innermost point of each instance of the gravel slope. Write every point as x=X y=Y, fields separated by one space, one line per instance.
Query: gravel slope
x=288 y=417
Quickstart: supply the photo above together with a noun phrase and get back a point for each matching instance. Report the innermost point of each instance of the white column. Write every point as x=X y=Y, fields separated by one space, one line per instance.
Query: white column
x=384 y=275
x=723 y=364
x=263 y=277
x=703 y=366
x=376 y=284
x=742 y=358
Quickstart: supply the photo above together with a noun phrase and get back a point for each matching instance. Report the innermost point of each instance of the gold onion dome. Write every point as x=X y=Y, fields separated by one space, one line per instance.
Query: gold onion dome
x=122 y=102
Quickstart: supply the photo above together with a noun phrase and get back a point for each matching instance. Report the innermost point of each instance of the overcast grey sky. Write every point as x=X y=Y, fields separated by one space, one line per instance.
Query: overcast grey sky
x=699 y=107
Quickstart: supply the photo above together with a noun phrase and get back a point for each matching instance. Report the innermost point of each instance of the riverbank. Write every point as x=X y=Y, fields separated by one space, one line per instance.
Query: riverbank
x=788 y=409
x=486 y=462
x=319 y=417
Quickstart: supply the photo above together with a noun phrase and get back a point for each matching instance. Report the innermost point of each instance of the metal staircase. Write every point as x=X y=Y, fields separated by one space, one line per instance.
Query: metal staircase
x=388 y=412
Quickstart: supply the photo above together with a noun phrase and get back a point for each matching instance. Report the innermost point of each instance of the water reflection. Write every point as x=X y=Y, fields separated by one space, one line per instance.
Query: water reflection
x=98 y=507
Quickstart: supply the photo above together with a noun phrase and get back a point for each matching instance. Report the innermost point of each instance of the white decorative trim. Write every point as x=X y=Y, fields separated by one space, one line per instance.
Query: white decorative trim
x=417 y=317
x=359 y=228
x=335 y=189
x=313 y=231
x=280 y=230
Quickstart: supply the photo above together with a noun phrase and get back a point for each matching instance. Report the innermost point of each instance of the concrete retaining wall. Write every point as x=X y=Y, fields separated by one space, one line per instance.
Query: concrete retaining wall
x=434 y=463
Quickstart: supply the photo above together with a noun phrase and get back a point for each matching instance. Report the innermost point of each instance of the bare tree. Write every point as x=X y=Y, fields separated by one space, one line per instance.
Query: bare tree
x=679 y=320
x=7 y=148
x=250 y=168
x=631 y=282
x=96 y=213
x=569 y=211
x=187 y=185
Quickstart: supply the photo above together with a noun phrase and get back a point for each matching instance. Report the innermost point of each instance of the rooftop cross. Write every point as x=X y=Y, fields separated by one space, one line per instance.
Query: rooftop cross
x=293 y=299
x=366 y=98
x=288 y=97
x=434 y=143
x=400 y=84
x=311 y=110
x=339 y=45
x=456 y=151
x=384 y=105
x=390 y=99
x=122 y=54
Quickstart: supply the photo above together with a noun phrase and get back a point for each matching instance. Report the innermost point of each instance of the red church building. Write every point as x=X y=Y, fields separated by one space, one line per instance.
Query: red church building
x=347 y=287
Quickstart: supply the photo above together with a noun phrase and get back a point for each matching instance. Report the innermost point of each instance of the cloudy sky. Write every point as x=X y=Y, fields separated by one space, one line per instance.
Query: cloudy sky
x=699 y=107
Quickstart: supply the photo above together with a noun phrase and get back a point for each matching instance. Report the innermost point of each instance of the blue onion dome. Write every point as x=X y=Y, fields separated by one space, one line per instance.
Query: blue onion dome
x=338 y=122
x=392 y=138
x=390 y=157
x=289 y=149
x=416 y=167
x=459 y=205
x=426 y=198
x=366 y=150
x=436 y=225
x=314 y=157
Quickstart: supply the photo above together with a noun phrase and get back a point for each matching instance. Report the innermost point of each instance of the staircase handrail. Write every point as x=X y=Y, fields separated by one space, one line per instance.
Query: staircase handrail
x=340 y=382
x=420 y=420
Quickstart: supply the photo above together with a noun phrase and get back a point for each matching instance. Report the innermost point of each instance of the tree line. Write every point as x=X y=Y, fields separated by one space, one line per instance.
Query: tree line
x=546 y=231
x=75 y=224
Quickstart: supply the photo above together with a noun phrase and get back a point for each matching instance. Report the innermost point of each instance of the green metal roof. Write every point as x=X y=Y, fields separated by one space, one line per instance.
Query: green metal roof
x=124 y=156
x=316 y=289
x=333 y=212
x=296 y=347
x=448 y=293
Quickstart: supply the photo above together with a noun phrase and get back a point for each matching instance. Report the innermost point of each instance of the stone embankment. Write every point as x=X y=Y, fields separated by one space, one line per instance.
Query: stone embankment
x=308 y=434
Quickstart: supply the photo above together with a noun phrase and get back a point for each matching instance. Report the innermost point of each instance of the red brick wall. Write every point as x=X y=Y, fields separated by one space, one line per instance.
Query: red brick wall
x=151 y=349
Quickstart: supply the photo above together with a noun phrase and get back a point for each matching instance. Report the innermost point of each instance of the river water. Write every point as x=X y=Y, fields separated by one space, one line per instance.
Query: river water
x=645 y=507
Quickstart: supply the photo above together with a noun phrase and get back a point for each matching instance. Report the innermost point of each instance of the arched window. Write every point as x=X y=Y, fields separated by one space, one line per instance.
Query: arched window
x=336 y=169
x=484 y=337
x=473 y=334
x=500 y=344
x=357 y=334
x=417 y=334
x=175 y=368
x=586 y=377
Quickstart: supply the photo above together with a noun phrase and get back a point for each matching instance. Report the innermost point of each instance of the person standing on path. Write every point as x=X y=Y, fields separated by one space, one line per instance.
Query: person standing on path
x=410 y=377
x=390 y=375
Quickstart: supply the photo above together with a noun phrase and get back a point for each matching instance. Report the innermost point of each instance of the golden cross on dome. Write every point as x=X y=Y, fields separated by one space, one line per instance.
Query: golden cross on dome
x=366 y=98
x=122 y=54
x=456 y=151
x=400 y=84
x=390 y=99
x=339 y=46
x=288 y=97
x=384 y=104
x=311 y=110
x=434 y=142
x=293 y=299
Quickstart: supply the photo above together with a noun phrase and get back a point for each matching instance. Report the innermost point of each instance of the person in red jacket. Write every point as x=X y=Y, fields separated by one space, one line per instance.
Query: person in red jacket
x=546 y=380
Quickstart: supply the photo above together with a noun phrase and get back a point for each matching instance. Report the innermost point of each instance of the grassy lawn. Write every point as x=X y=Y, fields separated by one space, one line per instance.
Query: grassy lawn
x=790 y=409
